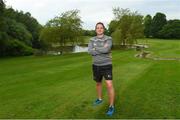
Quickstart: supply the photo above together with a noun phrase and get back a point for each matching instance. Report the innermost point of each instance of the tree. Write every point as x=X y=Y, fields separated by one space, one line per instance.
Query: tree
x=2 y=6
x=18 y=31
x=32 y=26
x=2 y=21
x=89 y=32
x=15 y=39
x=136 y=29
x=159 y=20
x=15 y=47
x=63 y=29
x=147 y=25
x=117 y=37
x=30 y=23
x=129 y=26
x=171 y=30
x=112 y=26
x=3 y=29
x=50 y=35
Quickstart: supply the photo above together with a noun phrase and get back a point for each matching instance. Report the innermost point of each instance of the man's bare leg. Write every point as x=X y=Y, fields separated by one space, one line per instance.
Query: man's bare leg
x=111 y=93
x=99 y=90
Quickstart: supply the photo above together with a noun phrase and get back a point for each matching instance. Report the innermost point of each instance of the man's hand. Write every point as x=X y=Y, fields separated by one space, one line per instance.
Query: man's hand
x=106 y=45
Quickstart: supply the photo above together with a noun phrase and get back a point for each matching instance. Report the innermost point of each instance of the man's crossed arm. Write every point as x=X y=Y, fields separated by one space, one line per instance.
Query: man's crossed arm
x=99 y=50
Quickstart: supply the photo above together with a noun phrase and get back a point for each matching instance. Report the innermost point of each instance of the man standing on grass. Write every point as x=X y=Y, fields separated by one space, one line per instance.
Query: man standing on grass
x=100 y=49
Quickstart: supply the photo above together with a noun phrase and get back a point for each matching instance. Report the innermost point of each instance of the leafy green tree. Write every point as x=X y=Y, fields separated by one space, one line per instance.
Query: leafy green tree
x=129 y=26
x=112 y=26
x=50 y=35
x=171 y=30
x=32 y=26
x=2 y=6
x=18 y=31
x=15 y=39
x=2 y=22
x=89 y=32
x=117 y=37
x=15 y=47
x=3 y=29
x=136 y=29
x=159 y=20
x=147 y=25
x=30 y=22
x=63 y=29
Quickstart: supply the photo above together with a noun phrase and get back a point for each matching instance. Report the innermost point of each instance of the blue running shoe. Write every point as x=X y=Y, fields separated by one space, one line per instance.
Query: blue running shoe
x=110 y=111
x=97 y=102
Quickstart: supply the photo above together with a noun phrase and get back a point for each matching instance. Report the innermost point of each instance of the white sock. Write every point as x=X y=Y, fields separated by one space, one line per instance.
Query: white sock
x=111 y=105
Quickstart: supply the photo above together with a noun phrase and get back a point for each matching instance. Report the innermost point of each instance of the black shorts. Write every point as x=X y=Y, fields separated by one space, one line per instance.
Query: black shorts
x=102 y=71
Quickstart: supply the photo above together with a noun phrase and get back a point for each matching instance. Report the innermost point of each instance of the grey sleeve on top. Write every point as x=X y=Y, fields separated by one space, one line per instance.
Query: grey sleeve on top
x=91 y=49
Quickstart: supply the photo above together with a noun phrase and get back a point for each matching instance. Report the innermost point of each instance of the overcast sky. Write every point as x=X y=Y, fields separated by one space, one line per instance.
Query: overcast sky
x=92 y=11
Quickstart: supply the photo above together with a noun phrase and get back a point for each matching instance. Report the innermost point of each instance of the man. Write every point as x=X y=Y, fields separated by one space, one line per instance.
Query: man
x=100 y=49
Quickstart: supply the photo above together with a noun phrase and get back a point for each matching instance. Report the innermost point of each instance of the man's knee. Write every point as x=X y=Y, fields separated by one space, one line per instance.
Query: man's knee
x=109 y=84
x=98 y=83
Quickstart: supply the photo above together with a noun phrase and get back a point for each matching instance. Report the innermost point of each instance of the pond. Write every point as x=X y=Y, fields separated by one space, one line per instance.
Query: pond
x=69 y=49
x=78 y=48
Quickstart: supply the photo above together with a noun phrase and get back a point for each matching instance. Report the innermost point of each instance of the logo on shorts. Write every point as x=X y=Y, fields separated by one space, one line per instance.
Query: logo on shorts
x=109 y=76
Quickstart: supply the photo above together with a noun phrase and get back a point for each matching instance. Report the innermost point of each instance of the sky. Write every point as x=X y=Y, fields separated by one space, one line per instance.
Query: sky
x=93 y=11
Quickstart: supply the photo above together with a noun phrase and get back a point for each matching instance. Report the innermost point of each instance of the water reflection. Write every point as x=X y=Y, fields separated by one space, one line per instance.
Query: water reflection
x=78 y=48
x=69 y=49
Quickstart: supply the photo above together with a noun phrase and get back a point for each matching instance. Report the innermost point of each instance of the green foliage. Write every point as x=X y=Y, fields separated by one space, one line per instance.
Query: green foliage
x=159 y=20
x=3 y=26
x=120 y=12
x=30 y=23
x=17 y=48
x=117 y=37
x=50 y=35
x=63 y=29
x=17 y=26
x=159 y=27
x=147 y=26
x=19 y=31
x=129 y=26
x=2 y=6
x=171 y=30
x=89 y=33
x=112 y=26
x=136 y=29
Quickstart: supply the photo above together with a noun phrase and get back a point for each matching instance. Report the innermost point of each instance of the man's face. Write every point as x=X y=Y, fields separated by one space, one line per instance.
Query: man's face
x=99 y=29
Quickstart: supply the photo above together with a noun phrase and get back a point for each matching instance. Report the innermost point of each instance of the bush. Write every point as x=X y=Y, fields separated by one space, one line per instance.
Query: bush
x=18 y=48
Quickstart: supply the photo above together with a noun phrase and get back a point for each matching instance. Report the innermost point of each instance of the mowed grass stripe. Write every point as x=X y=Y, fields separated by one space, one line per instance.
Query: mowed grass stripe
x=153 y=95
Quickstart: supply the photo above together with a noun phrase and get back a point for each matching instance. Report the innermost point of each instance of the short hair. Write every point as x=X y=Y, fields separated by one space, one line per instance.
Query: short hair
x=100 y=24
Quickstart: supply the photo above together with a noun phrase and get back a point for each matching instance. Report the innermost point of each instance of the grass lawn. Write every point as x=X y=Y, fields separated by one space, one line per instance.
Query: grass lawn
x=62 y=86
x=163 y=48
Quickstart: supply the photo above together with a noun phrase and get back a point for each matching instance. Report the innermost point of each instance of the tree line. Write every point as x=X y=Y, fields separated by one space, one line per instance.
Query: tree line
x=159 y=27
x=21 y=34
x=128 y=26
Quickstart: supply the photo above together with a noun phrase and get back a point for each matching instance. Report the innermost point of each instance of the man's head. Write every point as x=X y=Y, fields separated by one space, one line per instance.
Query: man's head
x=100 y=28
